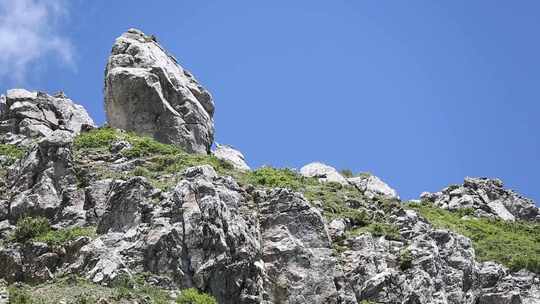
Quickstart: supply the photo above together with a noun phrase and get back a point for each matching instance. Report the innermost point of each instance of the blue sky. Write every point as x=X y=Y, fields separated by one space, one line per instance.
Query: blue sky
x=420 y=93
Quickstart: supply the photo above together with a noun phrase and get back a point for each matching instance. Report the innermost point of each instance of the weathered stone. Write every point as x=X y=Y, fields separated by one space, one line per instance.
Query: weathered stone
x=487 y=198
x=323 y=172
x=148 y=92
x=37 y=114
x=42 y=180
x=231 y=155
x=129 y=204
x=297 y=251
x=373 y=186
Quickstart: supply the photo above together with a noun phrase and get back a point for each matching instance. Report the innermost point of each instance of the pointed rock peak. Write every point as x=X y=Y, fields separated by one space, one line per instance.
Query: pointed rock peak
x=148 y=92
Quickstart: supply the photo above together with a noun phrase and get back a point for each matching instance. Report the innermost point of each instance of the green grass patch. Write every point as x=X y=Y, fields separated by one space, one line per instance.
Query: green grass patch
x=28 y=228
x=193 y=296
x=77 y=290
x=38 y=229
x=405 y=259
x=513 y=244
x=96 y=138
x=389 y=231
x=277 y=178
x=12 y=152
x=158 y=159
x=62 y=236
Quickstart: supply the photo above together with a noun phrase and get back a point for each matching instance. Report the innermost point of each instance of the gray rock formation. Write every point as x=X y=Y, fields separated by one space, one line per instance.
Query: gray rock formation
x=148 y=92
x=231 y=155
x=373 y=186
x=429 y=266
x=36 y=114
x=487 y=198
x=242 y=243
x=323 y=172
x=44 y=181
x=297 y=252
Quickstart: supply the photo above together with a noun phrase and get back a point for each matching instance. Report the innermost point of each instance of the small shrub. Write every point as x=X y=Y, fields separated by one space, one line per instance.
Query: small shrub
x=62 y=236
x=84 y=299
x=346 y=173
x=141 y=171
x=146 y=146
x=193 y=296
x=405 y=260
x=11 y=151
x=388 y=231
x=19 y=296
x=97 y=138
x=356 y=217
x=273 y=177
x=29 y=227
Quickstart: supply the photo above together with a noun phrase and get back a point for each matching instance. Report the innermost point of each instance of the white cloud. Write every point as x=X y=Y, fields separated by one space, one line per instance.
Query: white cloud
x=28 y=32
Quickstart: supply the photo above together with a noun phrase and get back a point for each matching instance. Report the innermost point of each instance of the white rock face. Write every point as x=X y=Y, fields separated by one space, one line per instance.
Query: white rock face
x=21 y=94
x=235 y=157
x=323 y=172
x=373 y=186
x=148 y=92
x=37 y=114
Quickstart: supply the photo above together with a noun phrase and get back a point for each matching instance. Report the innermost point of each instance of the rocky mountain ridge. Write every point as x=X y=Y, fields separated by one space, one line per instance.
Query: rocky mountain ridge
x=109 y=215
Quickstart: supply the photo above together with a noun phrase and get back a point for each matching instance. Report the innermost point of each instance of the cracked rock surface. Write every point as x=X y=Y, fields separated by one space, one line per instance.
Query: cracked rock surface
x=148 y=92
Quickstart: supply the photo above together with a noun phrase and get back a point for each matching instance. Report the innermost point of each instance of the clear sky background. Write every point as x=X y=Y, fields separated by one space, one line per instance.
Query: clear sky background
x=420 y=93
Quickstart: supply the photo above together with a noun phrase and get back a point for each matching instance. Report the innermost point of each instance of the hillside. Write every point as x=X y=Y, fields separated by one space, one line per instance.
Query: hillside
x=143 y=211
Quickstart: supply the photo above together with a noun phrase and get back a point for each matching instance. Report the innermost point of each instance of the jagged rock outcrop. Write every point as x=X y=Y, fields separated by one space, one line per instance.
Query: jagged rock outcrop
x=148 y=92
x=429 y=265
x=161 y=218
x=231 y=155
x=44 y=182
x=297 y=252
x=372 y=186
x=487 y=198
x=25 y=114
x=323 y=172
x=241 y=245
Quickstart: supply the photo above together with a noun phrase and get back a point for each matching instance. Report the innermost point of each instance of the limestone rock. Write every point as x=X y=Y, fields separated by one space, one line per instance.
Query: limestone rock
x=43 y=181
x=323 y=172
x=37 y=114
x=297 y=251
x=128 y=205
x=148 y=92
x=373 y=186
x=231 y=155
x=487 y=198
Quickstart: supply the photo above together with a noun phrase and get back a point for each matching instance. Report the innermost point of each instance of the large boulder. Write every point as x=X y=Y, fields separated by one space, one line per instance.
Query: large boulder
x=487 y=198
x=37 y=114
x=148 y=92
x=373 y=186
x=323 y=173
x=231 y=155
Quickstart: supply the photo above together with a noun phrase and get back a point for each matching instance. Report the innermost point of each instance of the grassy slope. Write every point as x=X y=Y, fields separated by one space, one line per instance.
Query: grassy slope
x=516 y=245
